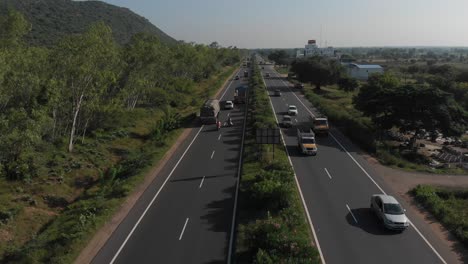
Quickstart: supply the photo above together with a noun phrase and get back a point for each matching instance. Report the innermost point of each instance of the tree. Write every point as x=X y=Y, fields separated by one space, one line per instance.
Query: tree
x=85 y=67
x=13 y=27
x=409 y=107
x=348 y=84
x=316 y=70
x=279 y=57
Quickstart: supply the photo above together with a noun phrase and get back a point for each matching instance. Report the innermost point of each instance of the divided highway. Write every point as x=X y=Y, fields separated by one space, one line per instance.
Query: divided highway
x=337 y=186
x=186 y=214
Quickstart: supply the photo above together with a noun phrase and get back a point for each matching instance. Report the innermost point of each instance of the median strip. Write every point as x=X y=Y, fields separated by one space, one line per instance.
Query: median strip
x=272 y=225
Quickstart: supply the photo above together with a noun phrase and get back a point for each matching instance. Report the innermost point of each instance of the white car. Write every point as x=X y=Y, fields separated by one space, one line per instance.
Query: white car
x=229 y=105
x=292 y=110
x=389 y=211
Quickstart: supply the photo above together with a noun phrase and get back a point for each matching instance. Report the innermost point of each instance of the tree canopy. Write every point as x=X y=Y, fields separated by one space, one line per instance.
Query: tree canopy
x=317 y=71
x=410 y=106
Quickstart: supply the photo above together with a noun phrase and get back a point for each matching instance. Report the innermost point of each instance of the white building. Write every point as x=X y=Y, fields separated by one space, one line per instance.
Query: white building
x=362 y=71
x=311 y=49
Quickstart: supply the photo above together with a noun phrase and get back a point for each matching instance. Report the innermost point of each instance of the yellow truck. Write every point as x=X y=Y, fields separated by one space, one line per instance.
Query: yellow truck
x=306 y=141
x=320 y=125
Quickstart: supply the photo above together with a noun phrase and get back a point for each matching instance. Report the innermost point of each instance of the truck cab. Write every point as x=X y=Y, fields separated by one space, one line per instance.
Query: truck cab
x=306 y=141
x=320 y=125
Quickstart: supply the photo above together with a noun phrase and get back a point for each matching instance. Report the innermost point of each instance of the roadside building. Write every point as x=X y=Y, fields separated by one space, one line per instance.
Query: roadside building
x=362 y=71
x=311 y=49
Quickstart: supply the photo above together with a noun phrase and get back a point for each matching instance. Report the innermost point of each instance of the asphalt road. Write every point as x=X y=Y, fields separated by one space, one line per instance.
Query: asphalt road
x=185 y=216
x=337 y=185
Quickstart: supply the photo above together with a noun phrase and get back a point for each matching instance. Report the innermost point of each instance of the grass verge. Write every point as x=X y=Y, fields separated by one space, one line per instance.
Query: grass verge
x=449 y=206
x=272 y=227
x=91 y=183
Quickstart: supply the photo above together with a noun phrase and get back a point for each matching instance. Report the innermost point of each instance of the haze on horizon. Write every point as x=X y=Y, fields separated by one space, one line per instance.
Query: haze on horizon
x=289 y=24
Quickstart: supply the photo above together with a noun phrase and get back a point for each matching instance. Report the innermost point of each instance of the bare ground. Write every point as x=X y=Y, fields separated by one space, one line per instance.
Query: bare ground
x=401 y=182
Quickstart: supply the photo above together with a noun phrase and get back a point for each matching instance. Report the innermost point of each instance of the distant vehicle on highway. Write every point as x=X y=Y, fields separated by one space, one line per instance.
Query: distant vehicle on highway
x=237 y=77
x=246 y=74
x=209 y=111
x=299 y=86
x=240 y=94
x=306 y=141
x=228 y=105
x=267 y=74
x=263 y=67
x=277 y=92
x=292 y=110
x=287 y=121
x=389 y=211
x=320 y=125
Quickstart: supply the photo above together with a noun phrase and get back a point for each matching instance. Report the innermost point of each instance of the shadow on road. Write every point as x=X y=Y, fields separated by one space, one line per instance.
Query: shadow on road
x=368 y=222
x=199 y=178
x=218 y=216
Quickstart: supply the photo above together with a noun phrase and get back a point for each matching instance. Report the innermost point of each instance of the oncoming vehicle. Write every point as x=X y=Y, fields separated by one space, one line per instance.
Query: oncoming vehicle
x=287 y=121
x=299 y=86
x=320 y=125
x=306 y=141
x=228 y=105
x=292 y=110
x=389 y=211
x=267 y=75
x=277 y=92
x=237 y=77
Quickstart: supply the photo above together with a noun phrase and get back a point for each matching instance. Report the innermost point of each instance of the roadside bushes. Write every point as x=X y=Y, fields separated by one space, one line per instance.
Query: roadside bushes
x=448 y=206
x=359 y=129
x=272 y=227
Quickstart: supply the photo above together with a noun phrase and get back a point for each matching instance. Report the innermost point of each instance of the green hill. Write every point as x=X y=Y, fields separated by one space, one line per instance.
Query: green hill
x=53 y=19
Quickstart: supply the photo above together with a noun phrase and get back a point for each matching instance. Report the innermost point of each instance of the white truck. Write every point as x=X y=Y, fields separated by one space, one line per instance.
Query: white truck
x=306 y=141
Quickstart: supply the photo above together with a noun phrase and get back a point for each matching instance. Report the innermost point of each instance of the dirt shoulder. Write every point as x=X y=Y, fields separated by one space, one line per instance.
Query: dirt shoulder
x=401 y=182
x=103 y=234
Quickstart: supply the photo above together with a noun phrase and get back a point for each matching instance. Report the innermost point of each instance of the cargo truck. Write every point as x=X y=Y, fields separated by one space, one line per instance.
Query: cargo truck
x=320 y=125
x=306 y=141
x=209 y=111
x=240 y=95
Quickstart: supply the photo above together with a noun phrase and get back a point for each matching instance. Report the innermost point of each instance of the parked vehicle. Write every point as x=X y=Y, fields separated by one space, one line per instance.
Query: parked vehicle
x=209 y=111
x=240 y=94
x=320 y=125
x=292 y=110
x=389 y=211
x=306 y=141
x=228 y=105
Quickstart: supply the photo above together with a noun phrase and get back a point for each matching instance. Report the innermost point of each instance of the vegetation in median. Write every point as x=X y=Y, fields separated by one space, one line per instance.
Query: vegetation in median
x=449 y=206
x=272 y=227
x=80 y=125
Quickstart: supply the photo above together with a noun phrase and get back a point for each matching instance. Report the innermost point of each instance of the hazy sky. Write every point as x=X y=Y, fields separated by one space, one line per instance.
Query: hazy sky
x=290 y=23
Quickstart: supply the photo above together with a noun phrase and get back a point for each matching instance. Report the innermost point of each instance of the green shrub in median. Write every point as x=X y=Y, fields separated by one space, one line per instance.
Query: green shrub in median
x=272 y=225
x=450 y=207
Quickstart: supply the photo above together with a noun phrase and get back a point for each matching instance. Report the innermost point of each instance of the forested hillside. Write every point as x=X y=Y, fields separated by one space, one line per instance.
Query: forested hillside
x=79 y=123
x=54 y=19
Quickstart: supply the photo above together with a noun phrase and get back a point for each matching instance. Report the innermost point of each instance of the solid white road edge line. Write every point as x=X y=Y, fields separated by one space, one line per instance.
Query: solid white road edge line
x=233 y=222
x=375 y=183
x=212 y=154
x=154 y=198
x=355 y=220
x=162 y=186
x=201 y=183
x=183 y=229
x=298 y=186
x=328 y=173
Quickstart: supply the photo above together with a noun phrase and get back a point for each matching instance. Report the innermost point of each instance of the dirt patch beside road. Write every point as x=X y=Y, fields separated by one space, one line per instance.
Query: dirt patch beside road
x=401 y=182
